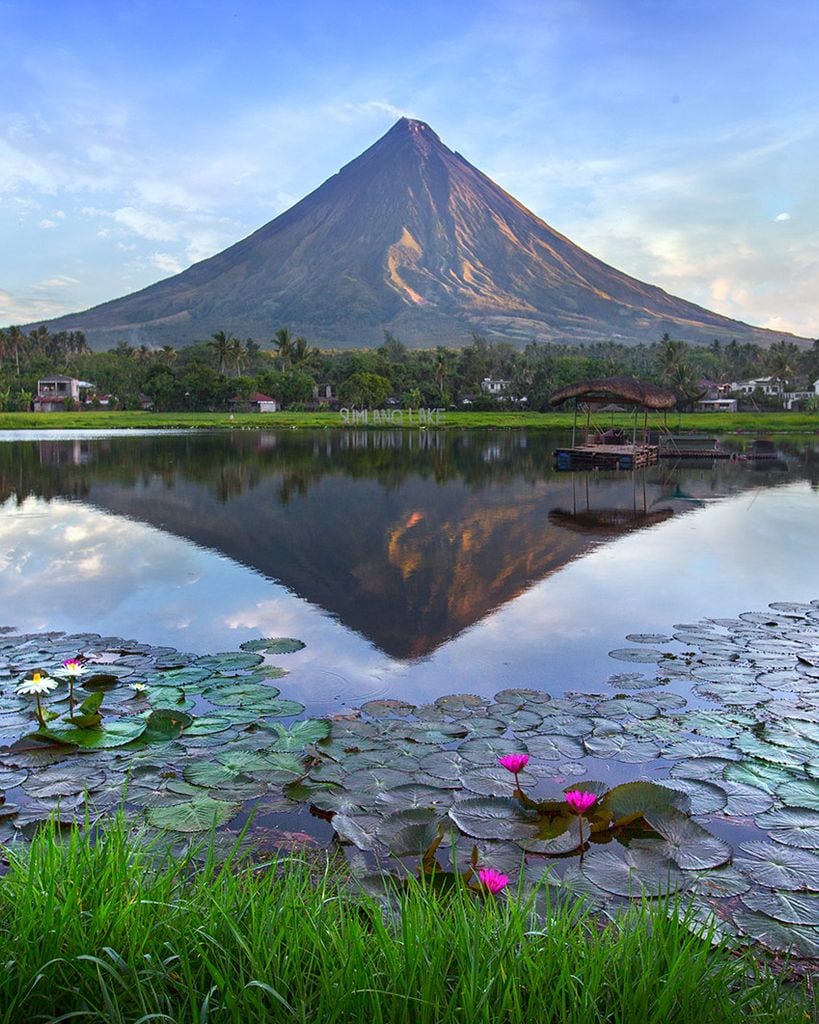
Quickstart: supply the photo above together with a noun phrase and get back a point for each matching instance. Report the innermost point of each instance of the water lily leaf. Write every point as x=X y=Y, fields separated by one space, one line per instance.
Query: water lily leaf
x=208 y=725
x=233 y=763
x=487 y=817
x=760 y=774
x=443 y=764
x=719 y=883
x=630 y=681
x=706 y=797
x=351 y=830
x=790 y=907
x=491 y=780
x=713 y=724
x=228 y=661
x=410 y=832
x=10 y=778
x=649 y=638
x=780 y=867
x=744 y=801
x=373 y=781
x=280 y=708
x=114 y=732
x=640 y=872
x=621 y=747
x=101 y=681
x=165 y=724
x=786 y=938
x=565 y=841
x=551 y=747
x=300 y=734
x=793 y=826
x=187 y=677
x=634 y=800
x=457 y=703
x=620 y=706
x=644 y=654
x=64 y=779
x=758 y=748
x=706 y=768
x=377 y=708
x=487 y=750
x=701 y=748
x=688 y=844
x=274 y=645
x=521 y=696
x=157 y=791
x=800 y=793
x=197 y=815
x=411 y=795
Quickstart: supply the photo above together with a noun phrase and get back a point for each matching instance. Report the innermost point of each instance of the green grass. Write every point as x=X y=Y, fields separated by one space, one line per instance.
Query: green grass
x=712 y=423
x=107 y=933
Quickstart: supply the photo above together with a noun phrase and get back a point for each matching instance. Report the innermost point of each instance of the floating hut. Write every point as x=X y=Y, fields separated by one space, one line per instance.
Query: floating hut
x=596 y=447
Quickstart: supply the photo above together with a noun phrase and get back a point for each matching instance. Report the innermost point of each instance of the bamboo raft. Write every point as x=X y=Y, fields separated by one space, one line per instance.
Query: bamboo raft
x=607 y=456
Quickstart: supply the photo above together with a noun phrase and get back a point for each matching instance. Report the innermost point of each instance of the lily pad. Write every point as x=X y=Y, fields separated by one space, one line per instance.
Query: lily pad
x=197 y=815
x=790 y=907
x=273 y=645
x=112 y=733
x=688 y=844
x=793 y=826
x=780 y=867
x=64 y=779
x=637 y=873
x=800 y=793
x=486 y=817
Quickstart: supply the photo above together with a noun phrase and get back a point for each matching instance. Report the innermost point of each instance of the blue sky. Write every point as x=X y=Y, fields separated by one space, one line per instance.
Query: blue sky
x=678 y=141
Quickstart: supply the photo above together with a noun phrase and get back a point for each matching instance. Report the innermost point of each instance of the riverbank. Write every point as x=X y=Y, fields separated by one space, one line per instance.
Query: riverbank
x=710 y=423
x=107 y=929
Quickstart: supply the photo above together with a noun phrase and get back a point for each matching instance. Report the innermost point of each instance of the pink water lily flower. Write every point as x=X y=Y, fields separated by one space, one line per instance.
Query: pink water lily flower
x=493 y=880
x=579 y=800
x=514 y=762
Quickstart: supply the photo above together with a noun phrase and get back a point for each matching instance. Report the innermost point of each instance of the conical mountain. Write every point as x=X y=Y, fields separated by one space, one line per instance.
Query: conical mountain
x=411 y=238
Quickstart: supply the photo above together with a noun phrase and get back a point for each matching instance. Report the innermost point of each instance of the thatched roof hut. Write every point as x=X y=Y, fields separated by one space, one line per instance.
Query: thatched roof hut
x=625 y=390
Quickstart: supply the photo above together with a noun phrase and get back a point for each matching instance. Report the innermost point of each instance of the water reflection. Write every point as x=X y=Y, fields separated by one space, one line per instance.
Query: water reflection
x=391 y=543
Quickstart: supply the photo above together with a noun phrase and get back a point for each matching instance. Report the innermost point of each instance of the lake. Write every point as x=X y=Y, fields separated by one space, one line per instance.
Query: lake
x=445 y=599
x=412 y=564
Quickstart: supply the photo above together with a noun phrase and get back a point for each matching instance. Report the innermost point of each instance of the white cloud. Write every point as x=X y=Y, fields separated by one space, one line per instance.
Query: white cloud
x=46 y=224
x=165 y=262
x=146 y=224
x=782 y=216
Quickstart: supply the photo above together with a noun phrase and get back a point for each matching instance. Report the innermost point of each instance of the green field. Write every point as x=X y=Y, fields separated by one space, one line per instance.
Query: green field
x=710 y=423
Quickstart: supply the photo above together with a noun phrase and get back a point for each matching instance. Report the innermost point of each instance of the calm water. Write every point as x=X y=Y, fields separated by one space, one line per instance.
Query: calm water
x=411 y=564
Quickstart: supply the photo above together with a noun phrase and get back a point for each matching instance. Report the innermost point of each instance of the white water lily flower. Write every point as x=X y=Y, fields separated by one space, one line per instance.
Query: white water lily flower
x=36 y=685
x=138 y=687
x=73 y=667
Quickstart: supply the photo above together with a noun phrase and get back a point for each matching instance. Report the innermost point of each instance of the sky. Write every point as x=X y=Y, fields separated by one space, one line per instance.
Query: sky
x=677 y=140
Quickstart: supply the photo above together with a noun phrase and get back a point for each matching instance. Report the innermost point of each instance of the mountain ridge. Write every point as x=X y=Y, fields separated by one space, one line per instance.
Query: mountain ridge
x=407 y=237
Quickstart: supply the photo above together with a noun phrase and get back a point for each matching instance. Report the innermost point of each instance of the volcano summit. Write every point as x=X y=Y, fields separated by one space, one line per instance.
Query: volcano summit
x=408 y=237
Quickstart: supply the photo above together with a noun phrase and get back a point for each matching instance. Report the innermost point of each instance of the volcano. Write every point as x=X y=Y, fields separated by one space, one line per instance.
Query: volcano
x=409 y=237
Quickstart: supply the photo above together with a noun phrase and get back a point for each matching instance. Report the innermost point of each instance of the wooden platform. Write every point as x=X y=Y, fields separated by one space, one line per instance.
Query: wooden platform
x=607 y=456
x=694 y=447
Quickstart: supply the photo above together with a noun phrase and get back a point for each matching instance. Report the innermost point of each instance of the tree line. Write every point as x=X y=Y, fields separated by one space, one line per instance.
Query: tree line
x=208 y=374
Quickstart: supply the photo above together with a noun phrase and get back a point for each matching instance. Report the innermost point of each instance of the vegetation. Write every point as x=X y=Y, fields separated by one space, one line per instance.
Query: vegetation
x=712 y=423
x=106 y=929
x=206 y=375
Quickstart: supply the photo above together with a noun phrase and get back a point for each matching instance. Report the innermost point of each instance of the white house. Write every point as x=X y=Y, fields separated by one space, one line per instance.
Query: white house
x=491 y=386
x=767 y=385
x=54 y=392
x=257 y=402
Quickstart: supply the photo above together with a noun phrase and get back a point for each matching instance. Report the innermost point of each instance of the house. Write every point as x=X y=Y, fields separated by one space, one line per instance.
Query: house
x=257 y=402
x=774 y=386
x=54 y=393
x=325 y=394
x=716 y=405
x=495 y=387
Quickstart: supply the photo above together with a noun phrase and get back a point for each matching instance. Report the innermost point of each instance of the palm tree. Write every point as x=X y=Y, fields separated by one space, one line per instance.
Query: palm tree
x=283 y=340
x=223 y=346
